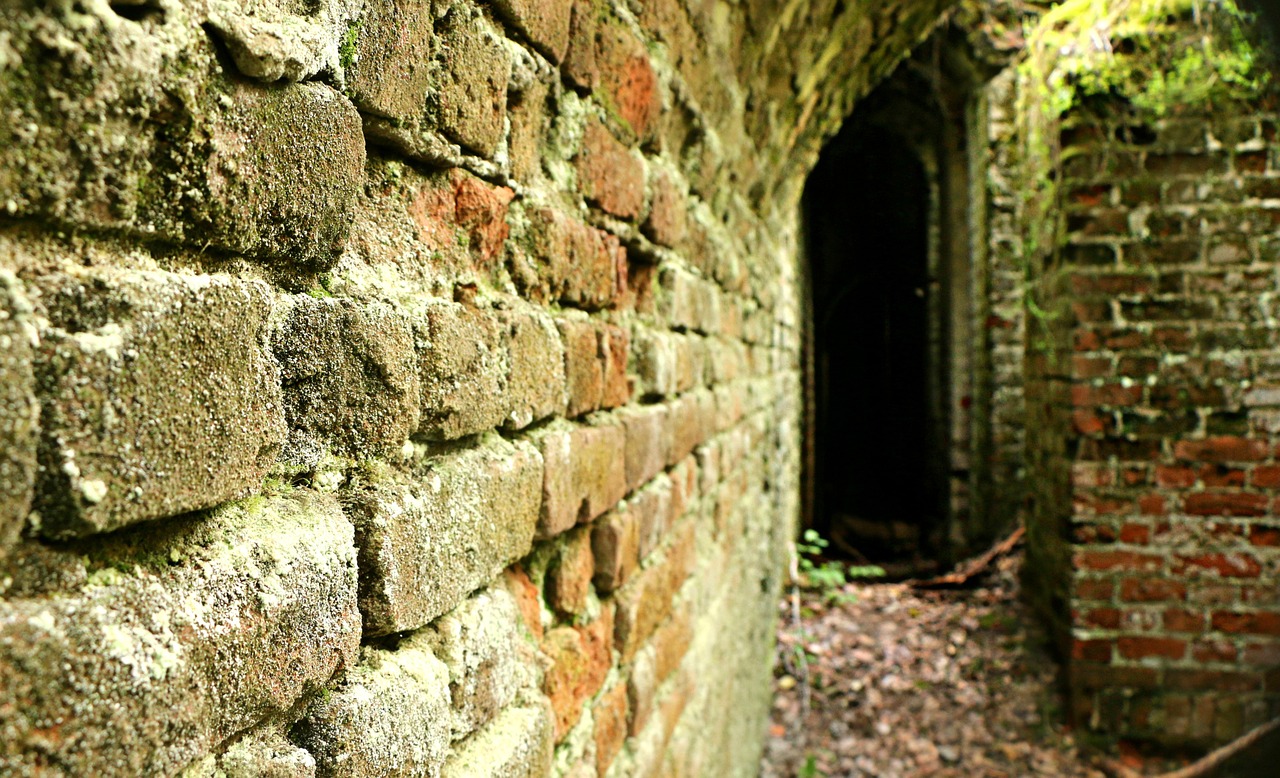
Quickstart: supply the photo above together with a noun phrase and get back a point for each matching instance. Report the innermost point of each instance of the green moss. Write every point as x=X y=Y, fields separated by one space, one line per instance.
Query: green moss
x=347 y=51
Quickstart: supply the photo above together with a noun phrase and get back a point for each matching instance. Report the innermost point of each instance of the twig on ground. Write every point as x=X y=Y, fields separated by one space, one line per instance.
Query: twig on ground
x=967 y=571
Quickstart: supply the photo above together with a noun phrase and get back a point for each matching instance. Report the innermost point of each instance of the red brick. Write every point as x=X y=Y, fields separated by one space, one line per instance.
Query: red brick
x=1221 y=476
x=583 y=367
x=568 y=262
x=610 y=717
x=1151 y=590
x=1266 y=476
x=646 y=600
x=1227 y=565
x=1175 y=477
x=667 y=220
x=481 y=208
x=1097 y=559
x=1265 y=654
x=627 y=78
x=1259 y=623
x=1138 y=534
x=1105 y=395
x=1145 y=647
x=579 y=63
x=1226 y=504
x=1103 y=618
x=1217 y=680
x=609 y=175
x=615 y=544
x=544 y=22
x=1091 y=676
x=580 y=659
x=1149 y=505
x=1089 y=423
x=1221 y=449
x=1181 y=620
x=671 y=642
x=1264 y=536
x=1091 y=650
x=569 y=577
x=1094 y=588
x=1213 y=651
x=516 y=581
x=615 y=348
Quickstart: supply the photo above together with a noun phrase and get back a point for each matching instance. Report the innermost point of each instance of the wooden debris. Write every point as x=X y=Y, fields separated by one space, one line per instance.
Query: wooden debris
x=966 y=572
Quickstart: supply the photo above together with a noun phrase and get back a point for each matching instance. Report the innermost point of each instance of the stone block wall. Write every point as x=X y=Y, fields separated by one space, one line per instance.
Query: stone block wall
x=403 y=387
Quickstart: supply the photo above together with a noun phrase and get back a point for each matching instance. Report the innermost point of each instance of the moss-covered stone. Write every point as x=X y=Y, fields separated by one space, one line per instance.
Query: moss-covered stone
x=179 y=637
x=159 y=396
x=479 y=643
x=350 y=379
x=166 y=145
x=463 y=362
x=428 y=541
x=518 y=744
x=19 y=411
x=389 y=716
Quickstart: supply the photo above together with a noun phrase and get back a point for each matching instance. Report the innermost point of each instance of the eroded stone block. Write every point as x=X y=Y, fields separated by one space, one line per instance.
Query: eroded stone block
x=478 y=642
x=19 y=410
x=159 y=396
x=179 y=636
x=427 y=542
x=167 y=145
x=518 y=744
x=389 y=716
x=350 y=379
x=536 y=375
x=463 y=367
x=544 y=22
x=584 y=476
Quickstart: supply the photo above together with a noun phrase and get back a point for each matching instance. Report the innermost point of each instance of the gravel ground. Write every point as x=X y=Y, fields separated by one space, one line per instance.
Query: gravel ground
x=906 y=683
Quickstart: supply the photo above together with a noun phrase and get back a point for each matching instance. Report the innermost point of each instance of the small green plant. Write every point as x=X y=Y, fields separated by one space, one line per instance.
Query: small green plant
x=829 y=577
x=810 y=768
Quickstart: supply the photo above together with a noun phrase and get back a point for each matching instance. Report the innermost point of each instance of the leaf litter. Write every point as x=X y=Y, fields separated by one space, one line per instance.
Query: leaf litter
x=886 y=681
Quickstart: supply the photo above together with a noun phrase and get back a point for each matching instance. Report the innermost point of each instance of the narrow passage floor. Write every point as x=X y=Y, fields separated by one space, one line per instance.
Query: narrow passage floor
x=904 y=683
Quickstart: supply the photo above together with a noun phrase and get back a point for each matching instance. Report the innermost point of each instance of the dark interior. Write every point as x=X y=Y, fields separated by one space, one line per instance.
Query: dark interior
x=876 y=491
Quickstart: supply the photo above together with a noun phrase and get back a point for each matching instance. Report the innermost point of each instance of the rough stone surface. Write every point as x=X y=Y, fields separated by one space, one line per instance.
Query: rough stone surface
x=473 y=92
x=569 y=261
x=350 y=379
x=265 y=754
x=518 y=744
x=463 y=363
x=544 y=22
x=610 y=175
x=478 y=643
x=178 y=638
x=169 y=146
x=428 y=540
x=172 y=374
x=580 y=659
x=584 y=475
x=536 y=377
x=19 y=410
x=391 y=70
x=389 y=717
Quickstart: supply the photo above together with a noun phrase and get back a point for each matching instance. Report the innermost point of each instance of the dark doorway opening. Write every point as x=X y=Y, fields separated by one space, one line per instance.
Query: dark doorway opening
x=879 y=489
x=894 y=369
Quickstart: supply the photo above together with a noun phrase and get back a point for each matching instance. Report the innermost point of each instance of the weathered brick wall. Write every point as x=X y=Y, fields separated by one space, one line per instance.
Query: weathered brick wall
x=404 y=386
x=1155 y=532
x=1172 y=266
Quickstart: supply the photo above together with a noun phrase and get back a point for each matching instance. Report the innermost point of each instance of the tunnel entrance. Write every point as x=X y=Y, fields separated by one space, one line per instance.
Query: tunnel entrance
x=890 y=351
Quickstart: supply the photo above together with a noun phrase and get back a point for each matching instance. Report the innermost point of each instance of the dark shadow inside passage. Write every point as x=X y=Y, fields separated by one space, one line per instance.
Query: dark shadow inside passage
x=877 y=491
